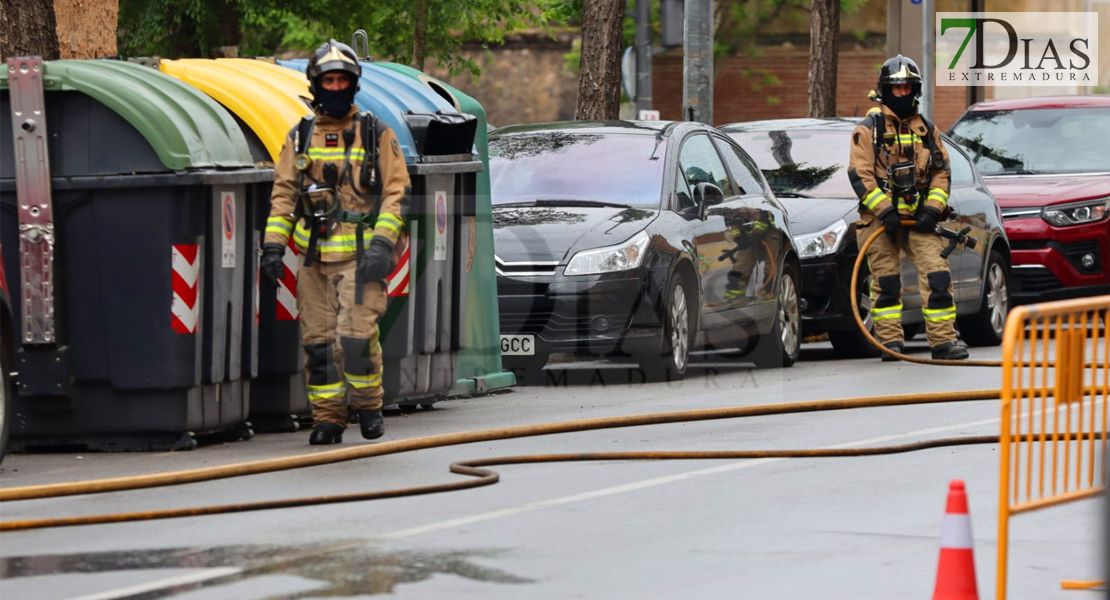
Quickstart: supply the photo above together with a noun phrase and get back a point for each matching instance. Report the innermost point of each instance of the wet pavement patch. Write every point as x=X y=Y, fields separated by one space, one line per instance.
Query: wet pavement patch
x=345 y=569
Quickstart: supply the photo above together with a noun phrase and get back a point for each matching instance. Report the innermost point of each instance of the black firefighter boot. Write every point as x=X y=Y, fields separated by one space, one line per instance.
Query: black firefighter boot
x=326 y=433
x=898 y=347
x=371 y=423
x=949 y=351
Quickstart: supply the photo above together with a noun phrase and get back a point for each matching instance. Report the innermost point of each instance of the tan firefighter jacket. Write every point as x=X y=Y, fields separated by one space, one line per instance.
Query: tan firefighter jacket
x=328 y=146
x=901 y=140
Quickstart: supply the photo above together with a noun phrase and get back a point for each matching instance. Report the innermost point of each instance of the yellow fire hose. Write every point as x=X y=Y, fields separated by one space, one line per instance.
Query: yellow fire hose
x=481 y=476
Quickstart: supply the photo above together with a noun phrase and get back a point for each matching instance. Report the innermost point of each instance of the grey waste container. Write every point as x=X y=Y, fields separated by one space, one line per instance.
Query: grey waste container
x=424 y=331
x=150 y=339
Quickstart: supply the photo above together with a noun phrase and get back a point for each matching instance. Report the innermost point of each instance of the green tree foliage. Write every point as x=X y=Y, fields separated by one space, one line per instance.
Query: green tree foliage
x=197 y=28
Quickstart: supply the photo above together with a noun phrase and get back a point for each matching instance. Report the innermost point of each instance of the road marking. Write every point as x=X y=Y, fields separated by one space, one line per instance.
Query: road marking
x=631 y=487
x=161 y=584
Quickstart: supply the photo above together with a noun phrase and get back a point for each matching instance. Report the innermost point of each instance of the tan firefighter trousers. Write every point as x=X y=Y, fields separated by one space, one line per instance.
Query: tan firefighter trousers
x=343 y=356
x=934 y=281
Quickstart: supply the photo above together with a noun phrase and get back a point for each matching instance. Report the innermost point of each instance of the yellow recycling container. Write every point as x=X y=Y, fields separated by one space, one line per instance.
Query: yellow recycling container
x=269 y=99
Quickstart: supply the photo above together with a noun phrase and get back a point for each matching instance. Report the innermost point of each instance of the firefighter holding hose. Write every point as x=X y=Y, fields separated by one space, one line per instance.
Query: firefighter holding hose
x=340 y=188
x=899 y=168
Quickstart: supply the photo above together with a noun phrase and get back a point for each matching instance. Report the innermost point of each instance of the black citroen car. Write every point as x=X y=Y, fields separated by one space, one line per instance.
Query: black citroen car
x=806 y=162
x=641 y=239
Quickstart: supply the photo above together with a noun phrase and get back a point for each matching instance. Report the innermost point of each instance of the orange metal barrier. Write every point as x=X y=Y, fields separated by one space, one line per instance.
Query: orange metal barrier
x=1055 y=395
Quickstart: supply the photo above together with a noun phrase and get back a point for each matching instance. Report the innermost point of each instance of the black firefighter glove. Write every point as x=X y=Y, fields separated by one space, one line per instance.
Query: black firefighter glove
x=892 y=221
x=377 y=260
x=927 y=220
x=273 y=263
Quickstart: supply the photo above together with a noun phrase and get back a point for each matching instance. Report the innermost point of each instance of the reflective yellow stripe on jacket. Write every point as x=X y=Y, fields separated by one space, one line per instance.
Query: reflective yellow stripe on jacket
x=333 y=244
x=390 y=222
x=873 y=198
x=279 y=225
x=335 y=153
x=939 y=195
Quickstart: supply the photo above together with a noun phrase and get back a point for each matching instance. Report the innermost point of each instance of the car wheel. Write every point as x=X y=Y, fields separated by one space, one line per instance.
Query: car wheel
x=851 y=343
x=527 y=369
x=5 y=400
x=672 y=358
x=780 y=346
x=985 y=327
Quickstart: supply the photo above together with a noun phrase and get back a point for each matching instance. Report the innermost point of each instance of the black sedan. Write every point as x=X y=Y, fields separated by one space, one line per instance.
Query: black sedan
x=642 y=239
x=806 y=161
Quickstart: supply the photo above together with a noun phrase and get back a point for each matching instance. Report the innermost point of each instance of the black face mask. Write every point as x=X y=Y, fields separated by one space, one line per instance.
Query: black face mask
x=903 y=106
x=335 y=104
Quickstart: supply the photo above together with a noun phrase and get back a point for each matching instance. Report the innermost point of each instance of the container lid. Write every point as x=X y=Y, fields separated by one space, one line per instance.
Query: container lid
x=268 y=98
x=388 y=95
x=186 y=129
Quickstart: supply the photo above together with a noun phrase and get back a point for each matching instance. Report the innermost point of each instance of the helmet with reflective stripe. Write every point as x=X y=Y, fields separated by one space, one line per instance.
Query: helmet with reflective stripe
x=329 y=57
x=899 y=70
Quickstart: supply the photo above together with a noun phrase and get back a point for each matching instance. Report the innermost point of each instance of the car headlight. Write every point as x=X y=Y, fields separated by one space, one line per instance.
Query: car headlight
x=610 y=259
x=824 y=242
x=1077 y=213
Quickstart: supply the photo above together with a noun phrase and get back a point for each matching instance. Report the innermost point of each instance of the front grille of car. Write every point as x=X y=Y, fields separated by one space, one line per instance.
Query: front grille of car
x=1028 y=244
x=1021 y=212
x=1034 y=280
x=545 y=317
x=524 y=268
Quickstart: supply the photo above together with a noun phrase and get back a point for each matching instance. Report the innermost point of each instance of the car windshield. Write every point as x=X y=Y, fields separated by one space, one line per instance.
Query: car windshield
x=577 y=168
x=1050 y=140
x=806 y=163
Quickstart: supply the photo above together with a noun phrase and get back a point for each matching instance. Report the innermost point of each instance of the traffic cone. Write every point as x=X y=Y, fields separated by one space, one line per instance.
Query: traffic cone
x=956 y=568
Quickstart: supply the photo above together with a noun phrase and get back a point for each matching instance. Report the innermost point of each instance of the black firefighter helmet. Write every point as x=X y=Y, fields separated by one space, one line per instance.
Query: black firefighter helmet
x=332 y=56
x=899 y=70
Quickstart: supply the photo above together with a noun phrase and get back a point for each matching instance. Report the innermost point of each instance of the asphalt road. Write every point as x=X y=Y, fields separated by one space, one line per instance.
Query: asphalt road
x=773 y=528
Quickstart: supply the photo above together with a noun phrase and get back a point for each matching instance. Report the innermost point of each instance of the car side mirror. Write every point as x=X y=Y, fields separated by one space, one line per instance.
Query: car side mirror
x=705 y=195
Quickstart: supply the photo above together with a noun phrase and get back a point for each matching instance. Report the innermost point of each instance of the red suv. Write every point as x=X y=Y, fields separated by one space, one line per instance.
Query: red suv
x=1047 y=160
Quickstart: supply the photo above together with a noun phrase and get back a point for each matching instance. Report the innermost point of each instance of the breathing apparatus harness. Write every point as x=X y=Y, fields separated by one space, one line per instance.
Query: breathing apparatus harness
x=901 y=178
x=318 y=203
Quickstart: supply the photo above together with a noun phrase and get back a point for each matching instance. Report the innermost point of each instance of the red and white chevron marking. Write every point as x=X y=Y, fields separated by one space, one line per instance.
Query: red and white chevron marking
x=186 y=274
x=399 y=278
x=287 y=287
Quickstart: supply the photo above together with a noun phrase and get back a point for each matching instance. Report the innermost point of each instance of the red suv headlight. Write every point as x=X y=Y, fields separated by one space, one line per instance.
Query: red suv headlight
x=1077 y=213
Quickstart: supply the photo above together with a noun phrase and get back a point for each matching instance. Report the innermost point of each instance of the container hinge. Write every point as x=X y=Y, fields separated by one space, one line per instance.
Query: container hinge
x=32 y=184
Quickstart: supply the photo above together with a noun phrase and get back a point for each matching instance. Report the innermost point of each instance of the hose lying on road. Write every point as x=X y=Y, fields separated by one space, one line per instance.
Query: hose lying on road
x=472 y=468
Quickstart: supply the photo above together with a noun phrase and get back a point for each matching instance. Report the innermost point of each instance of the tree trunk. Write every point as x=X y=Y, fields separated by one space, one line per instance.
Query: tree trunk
x=824 y=49
x=599 y=79
x=27 y=28
x=420 y=35
x=227 y=46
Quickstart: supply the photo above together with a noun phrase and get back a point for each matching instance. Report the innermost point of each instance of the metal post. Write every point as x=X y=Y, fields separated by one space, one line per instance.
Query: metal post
x=32 y=186
x=643 y=55
x=697 y=62
x=928 y=57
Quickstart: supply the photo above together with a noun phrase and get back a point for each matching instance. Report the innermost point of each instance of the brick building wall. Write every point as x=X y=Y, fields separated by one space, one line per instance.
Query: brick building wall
x=774 y=85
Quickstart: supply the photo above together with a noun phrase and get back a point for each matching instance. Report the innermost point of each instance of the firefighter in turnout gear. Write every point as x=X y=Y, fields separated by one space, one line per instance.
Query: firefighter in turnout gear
x=899 y=169
x=340 y=189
